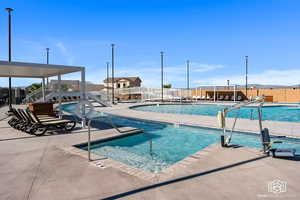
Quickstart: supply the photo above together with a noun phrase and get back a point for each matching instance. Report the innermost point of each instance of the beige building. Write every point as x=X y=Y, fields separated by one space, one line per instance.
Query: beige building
x=123 y=82
x=74 y=85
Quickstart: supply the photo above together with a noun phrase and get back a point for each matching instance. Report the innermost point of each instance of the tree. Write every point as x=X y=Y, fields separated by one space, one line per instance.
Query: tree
x=167 y=86
x=64 y=87
x=33 y=87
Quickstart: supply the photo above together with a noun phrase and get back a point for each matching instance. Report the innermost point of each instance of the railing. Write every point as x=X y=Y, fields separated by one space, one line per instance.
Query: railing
x=222 y=117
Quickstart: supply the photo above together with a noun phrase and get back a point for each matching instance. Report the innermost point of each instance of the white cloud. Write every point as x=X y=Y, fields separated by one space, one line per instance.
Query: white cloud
x=267 y=77
x=150 y=71
x=198 y=67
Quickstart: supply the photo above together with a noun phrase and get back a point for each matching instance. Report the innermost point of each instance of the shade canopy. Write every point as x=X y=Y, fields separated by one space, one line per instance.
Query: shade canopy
x=34 y=70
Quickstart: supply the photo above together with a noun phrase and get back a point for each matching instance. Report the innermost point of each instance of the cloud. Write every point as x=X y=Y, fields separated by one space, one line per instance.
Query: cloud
x=198 y=67
x=65 y=53
x=150 y=71
x=267 y=77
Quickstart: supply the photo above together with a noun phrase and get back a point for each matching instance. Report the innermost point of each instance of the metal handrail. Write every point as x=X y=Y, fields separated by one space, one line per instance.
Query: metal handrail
x=238 y=106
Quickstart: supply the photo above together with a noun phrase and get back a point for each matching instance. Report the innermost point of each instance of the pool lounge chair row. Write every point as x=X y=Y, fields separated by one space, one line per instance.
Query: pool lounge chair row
x=219 y=98
x=65 y=99
x=27 y=121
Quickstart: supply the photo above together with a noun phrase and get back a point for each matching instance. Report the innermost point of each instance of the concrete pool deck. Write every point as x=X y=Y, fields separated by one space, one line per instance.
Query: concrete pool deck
x=290 y=129
x=43 y=168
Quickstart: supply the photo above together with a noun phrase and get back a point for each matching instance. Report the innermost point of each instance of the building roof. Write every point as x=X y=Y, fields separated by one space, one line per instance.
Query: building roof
x=132 y=79
x=34 y=70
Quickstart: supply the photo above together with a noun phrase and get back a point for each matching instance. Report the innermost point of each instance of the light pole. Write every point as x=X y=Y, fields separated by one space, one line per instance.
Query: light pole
x=228 y=83
x=246 y=57
x=47 y=54
x=9 y=10
x=162 y=75
x=188 y=77
x=113 y=72
x=107 y=78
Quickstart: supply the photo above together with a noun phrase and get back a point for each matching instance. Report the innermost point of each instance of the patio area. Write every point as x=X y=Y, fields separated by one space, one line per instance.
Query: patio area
x=44 y=168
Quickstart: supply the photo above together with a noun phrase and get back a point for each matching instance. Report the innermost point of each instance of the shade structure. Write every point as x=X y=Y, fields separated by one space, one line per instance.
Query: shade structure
x=35 y=70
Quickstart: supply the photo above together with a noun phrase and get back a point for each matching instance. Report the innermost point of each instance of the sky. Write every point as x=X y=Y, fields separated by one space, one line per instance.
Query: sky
x=215 y=35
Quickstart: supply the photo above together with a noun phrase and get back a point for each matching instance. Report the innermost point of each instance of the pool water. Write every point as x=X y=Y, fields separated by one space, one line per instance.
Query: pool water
x=170 y=143
x=275 y=113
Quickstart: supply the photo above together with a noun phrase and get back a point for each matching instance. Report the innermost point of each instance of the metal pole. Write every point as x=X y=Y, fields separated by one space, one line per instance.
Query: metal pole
x=162 y=75
x=228 y=84
x=107 y=78
x=188 y=77
x=215 y=93
x=234 y=93
x=47 y=54
x=9 y=10
x=83 y=96
x=113 y=72
x=89 y=140
x=246 y=76
x=59 y=93
x=43 y=89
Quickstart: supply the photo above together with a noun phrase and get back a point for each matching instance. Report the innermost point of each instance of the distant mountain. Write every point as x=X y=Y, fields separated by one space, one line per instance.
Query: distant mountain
x=257 y=86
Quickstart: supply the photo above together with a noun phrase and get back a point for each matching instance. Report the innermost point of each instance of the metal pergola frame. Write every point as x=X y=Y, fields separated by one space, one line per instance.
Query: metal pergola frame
x=215 y=89
x=36 y=70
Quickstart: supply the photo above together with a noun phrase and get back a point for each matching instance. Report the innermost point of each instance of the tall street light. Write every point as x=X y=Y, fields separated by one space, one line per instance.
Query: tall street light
x=246 y=60
x=188 y=76
x=47 y=54
x=107 y=78
x=162 y=75
x=113 y=72
x=9 y=10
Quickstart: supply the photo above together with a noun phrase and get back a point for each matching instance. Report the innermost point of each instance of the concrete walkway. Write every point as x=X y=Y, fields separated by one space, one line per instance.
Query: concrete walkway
x=39 y=168
x=290 y=129
x=42 y=168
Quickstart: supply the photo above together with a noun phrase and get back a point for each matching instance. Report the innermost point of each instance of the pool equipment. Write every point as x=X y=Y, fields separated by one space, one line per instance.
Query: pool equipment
x=275 y=152
x=265 y=137
x=225 y=136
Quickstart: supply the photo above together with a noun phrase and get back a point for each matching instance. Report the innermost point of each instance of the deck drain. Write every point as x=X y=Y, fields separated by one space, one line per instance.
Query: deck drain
x=100 y=165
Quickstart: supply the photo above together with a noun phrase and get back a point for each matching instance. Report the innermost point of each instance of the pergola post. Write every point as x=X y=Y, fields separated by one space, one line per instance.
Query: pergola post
x=59 y=92
x=214 y=93
x=83 y=95
x=234 y=93
x=43 y=90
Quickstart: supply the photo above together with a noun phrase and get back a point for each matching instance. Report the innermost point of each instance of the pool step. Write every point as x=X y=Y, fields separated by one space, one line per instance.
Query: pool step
x=129 y=130
x=130 y=158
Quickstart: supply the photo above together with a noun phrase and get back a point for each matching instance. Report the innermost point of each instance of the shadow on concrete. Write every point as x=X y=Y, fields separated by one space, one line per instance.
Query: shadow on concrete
x=142 y=189
x=30 y=136
x=296 y=158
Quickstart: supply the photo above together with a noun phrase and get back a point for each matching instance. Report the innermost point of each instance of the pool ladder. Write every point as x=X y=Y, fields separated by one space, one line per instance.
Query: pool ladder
x=150 y=143
x=251 y=114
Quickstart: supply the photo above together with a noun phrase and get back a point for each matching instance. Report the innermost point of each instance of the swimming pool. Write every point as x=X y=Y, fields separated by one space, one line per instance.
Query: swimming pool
x=275 y=113
x=170 y=143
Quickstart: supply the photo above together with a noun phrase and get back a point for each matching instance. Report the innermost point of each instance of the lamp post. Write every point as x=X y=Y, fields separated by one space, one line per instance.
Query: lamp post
x=188 y=77
x=107 y=78
x=47 y=54
x=246 y=60
x=162 y=75
x=113 y=72
x=9 y=10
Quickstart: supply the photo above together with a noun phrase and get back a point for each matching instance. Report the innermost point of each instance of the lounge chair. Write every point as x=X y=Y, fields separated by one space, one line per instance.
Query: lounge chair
x=276 y=152
x=42 y=125
x=16 y=121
